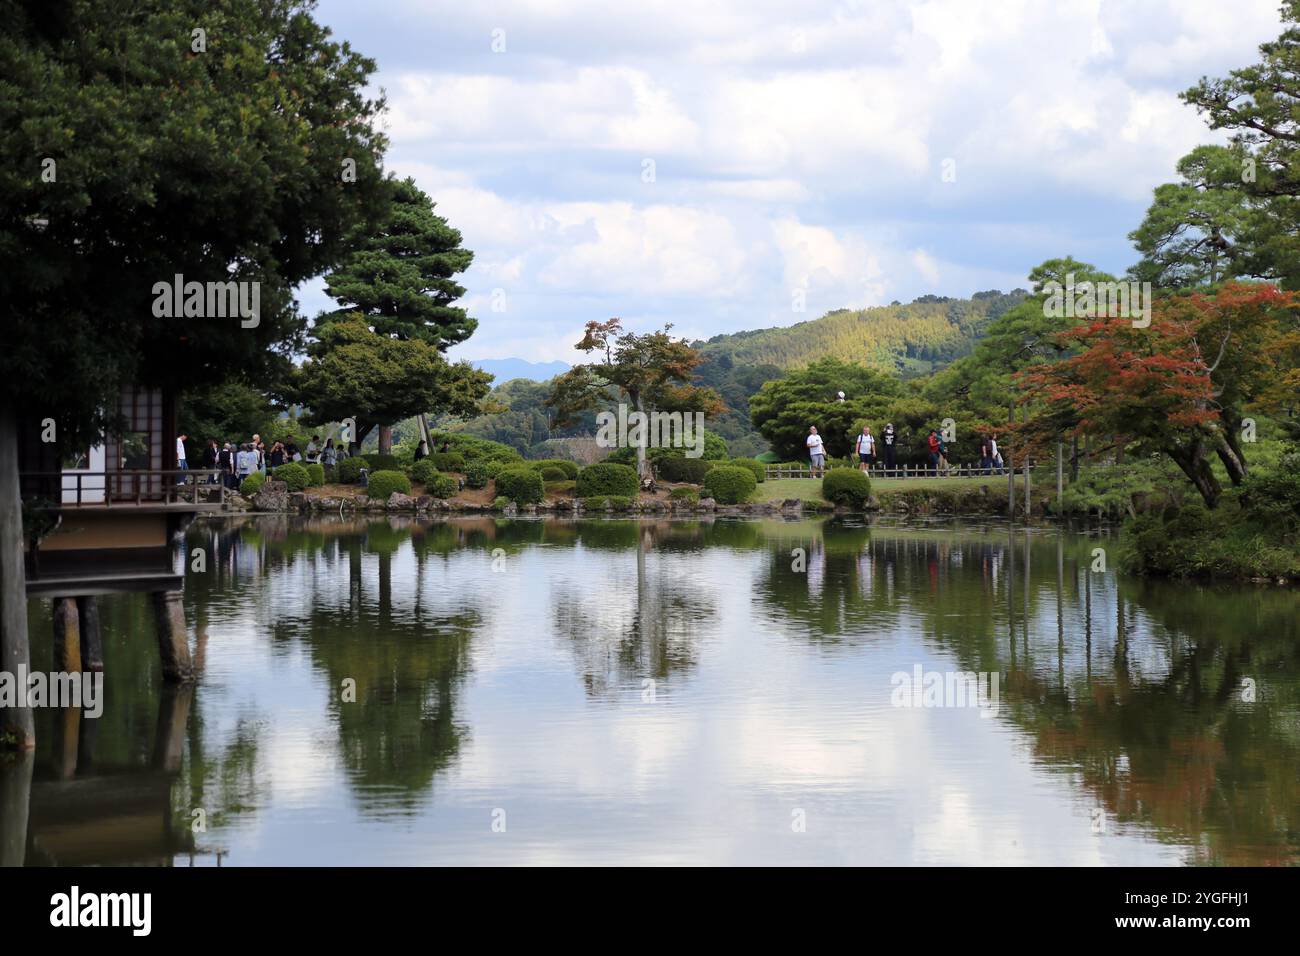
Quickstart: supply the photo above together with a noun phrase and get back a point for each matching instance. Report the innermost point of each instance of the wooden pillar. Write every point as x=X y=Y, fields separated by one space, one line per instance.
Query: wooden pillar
x=17 y=728
x=92 y=643
x=15 y=806
x=173 y=716
x=1060 y=465
x=1028 y=510
x=173 y=642
x=67 y=636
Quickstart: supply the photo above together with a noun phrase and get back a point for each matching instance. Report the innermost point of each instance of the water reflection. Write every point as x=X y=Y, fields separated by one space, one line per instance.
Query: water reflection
x=370 y=690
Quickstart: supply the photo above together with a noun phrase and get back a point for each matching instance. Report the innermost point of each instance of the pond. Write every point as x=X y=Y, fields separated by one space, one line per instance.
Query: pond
x=726 y=691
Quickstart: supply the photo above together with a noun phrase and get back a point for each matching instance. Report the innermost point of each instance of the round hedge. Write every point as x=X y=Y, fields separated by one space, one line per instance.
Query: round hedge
x=479 y=473
x=551 y=473
x=846 y=486
x=684 y=494
x=292 y=474
x=348 y=471
x=252 y=484
x=729 y=485
x=315 y=474
x=446 y=461
x=378 y=462
x=690 y=470
x=521 y=484
x=569 y=468
x=439 y=485
x=757 y=467
x=607 y=478
x=384 y=483
x=422 y=471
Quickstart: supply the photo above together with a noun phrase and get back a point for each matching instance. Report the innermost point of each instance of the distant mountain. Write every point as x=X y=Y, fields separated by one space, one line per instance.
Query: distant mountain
x=912 y=339
x=511 y=368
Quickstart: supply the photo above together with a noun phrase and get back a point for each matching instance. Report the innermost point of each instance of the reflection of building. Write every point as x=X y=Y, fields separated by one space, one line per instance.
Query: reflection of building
x=103 y=519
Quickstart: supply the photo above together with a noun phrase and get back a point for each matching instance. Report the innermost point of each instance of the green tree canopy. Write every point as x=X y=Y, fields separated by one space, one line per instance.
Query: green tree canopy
x=784 y=409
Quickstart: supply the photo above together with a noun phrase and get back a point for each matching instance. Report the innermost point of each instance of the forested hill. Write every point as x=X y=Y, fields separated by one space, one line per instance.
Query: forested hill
x=910 y=339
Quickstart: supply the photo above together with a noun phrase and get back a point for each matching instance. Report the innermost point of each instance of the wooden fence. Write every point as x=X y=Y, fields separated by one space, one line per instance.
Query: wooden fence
x=899 y=471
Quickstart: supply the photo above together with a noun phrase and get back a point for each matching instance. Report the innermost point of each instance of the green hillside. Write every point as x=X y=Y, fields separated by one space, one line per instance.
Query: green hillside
x=908 y=339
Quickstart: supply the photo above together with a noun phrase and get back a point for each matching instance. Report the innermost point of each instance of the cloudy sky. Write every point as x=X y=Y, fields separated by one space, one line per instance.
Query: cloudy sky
x=698 y=162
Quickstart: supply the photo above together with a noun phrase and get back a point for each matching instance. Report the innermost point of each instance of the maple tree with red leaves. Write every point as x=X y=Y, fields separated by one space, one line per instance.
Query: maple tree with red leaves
x=1180 y=386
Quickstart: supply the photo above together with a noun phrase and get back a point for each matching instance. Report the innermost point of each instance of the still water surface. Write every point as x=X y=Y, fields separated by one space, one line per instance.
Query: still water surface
x=676 y=692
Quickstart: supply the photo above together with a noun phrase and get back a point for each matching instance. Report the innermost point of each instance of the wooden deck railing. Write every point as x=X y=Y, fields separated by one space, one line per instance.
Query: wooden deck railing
x=899 y=471
x=197 y=489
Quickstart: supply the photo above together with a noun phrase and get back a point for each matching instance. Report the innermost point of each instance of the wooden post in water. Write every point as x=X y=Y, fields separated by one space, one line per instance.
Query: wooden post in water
x=16 y=724
x=173 y=642
x=1060 y=450
x=1027 y=506
x=67 y=636
x=92 y=644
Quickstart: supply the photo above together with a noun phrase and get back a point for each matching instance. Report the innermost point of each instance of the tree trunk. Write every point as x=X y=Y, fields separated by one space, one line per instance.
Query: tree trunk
x=1230 y=452
x=1195 y=463
x=1074 y=459
x=642 y=464
x=385 y=439
x=16 y=727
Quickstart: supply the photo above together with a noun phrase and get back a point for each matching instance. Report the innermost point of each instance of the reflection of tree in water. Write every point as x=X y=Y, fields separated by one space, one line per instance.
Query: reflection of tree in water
x=639 y=612
x=408 y=656
x=821 y=580
x=1136 y=687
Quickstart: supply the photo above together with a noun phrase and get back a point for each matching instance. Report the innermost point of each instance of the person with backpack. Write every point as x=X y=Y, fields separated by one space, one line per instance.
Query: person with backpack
x=226 y=463
x=866 y=446
x=943 y=453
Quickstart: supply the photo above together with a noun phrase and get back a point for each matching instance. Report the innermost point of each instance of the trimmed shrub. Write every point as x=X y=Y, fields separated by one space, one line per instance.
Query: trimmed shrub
x=499 y=502
x=623 y=455
x=378 y=462
x=422 y=471
x=315 y=474
x=690 y=470
x=551 y=473
x=447 y=461
x=607 y=502
x=757 y=467
x=348 y=471
x=729 y=485
x=520 y=484
x=252 y=484
x=292 y=474
x=607 y=478
x=479 y=473
x=384 y=483
x=846 y=486
x=684 y=494
x=569 y=468
x=439 y=485
x=715 y=449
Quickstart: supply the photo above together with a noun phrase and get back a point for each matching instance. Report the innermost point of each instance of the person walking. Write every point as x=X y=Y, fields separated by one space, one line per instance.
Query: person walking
x=421 y=450
x=887 y=439
x=210 y=453
x=866 y=445
x=986 y=458
x=932 y=444
x=816 y=452
x=995 y=456
x=327 y=453
x=245 y=462
x=313 y=450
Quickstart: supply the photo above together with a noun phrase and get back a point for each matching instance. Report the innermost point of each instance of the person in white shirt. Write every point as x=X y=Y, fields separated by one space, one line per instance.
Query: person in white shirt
x=816 y=451
x=866 y=446
x=180 y=453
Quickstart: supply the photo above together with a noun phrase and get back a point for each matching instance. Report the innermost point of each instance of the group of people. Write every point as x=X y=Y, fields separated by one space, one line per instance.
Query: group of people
x=865 y=447
x=236 y=461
